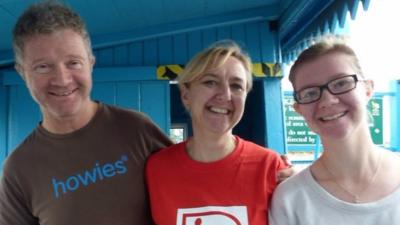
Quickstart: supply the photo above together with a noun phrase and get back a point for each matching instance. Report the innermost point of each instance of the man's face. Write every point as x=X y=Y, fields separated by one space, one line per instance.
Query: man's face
x=57 y=69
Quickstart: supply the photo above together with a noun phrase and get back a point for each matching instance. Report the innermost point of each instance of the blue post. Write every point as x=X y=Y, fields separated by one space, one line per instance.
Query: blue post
x=395 y=114
x=317 y=147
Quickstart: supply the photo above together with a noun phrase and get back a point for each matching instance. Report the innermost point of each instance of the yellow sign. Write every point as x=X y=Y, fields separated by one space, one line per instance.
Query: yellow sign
x=171 y=72
x=267 y=70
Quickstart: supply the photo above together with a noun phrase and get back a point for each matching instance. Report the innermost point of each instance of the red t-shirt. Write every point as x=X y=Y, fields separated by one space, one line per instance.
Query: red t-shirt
x=234 y=190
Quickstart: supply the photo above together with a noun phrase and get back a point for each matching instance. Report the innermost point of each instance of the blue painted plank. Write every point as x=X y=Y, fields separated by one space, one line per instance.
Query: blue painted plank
x=100 y=75
x=165 y=53
x=104 y=92
x=180 y=50
x=3 y=121
x=239 y=35
x=105 y=57
x=128 y=95
x=155 y=102
x=121 y=55
x=150 y=52
x=224 y=33
x=195 y=43
x=24 y=115
x=124 y=74
x=209 y=37
x=136 y=54
x=253 y=41
x=269 y=43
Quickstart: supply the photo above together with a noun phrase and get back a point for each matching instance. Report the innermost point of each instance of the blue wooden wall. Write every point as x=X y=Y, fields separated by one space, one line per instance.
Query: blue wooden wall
x=3 y=120
x=125 y=75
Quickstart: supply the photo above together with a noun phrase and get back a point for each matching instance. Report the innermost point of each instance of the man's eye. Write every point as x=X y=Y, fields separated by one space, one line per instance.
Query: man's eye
x=42 y=68
x=75 y=65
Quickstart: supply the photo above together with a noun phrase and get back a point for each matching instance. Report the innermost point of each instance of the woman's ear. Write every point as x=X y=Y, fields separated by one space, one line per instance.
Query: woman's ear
x=369 y=88
x=297 y=108
x=185 y=98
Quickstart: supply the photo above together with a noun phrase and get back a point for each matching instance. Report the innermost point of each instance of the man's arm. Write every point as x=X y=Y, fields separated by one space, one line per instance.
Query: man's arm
x=13 y=207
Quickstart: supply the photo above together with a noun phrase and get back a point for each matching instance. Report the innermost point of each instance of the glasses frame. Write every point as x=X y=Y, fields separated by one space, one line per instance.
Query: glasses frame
x=326 y=86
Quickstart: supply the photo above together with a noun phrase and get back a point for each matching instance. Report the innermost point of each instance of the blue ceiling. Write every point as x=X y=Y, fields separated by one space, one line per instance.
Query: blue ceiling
x=112 y=22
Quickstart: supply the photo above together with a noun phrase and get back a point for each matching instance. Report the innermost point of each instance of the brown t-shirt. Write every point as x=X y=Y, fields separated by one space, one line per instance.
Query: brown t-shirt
x=94 y=175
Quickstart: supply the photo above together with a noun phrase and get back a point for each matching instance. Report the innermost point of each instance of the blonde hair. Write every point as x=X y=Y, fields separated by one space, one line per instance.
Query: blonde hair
x=213 y=57
x=326 y=45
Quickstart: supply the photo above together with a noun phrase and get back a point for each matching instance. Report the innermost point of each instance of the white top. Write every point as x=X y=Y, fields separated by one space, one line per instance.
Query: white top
x=300 y=200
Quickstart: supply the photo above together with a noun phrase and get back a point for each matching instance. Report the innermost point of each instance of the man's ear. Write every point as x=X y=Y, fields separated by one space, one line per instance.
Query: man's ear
x=20 y=70
x=92 y=61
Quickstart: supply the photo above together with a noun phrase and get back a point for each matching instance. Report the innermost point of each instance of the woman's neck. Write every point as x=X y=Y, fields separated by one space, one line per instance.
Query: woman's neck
x=210 y=149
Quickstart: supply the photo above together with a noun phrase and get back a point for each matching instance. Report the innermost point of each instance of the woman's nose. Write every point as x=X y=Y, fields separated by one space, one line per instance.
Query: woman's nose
x=327 y=98
x=224 y=92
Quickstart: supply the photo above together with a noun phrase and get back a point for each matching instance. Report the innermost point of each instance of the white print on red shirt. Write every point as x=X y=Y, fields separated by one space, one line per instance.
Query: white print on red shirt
x=213 y=215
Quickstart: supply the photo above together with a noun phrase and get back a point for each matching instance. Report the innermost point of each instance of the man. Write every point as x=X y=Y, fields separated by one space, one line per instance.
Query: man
x=84 y=162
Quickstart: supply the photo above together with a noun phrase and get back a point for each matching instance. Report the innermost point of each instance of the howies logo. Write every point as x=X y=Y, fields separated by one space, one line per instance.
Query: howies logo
x=91 y=176
x=211 y=215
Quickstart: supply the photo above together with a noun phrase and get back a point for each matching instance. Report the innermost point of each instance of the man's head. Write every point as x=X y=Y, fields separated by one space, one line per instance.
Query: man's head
x=54 y=57
x=45 y=18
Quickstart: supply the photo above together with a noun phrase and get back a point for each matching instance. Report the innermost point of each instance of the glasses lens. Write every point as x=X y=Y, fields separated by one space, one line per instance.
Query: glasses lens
x=308 y=95
x=342 y=85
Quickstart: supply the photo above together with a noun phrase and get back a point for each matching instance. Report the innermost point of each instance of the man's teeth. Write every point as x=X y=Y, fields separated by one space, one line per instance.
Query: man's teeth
x=333 y=116
x=219 y=110
x=64 y=93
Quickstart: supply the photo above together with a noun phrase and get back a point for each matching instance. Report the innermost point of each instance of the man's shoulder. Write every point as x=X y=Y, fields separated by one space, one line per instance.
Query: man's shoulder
x=125 y=115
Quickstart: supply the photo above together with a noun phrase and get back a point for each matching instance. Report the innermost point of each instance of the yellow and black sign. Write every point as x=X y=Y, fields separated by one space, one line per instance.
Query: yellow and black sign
x=171 y=72
x=267 y=70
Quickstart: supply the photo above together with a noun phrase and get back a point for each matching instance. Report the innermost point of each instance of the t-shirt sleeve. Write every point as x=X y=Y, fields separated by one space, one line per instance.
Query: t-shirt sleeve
x=156 y=138
x=14 y=207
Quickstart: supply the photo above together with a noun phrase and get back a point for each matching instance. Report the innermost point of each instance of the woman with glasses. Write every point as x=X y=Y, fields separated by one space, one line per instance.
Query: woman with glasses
x=353 y=181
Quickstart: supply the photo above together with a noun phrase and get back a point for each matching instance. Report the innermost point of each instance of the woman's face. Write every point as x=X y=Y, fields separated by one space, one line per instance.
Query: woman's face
x=333 y=116
x=216 y=100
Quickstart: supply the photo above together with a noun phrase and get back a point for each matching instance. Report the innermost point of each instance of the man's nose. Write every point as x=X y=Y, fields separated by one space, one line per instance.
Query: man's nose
x=62 y=76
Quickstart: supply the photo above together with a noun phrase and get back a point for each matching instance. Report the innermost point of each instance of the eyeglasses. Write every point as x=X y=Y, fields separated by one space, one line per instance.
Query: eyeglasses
x=336 y=86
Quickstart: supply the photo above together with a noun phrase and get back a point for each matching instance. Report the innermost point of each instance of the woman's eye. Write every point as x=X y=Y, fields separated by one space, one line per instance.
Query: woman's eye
x=42 y=68
x=209 y=83
x=237 y=87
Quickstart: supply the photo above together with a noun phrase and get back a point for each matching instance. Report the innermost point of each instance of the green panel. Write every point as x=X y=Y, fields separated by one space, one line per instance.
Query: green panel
x=297 y=131
x=375 y=110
